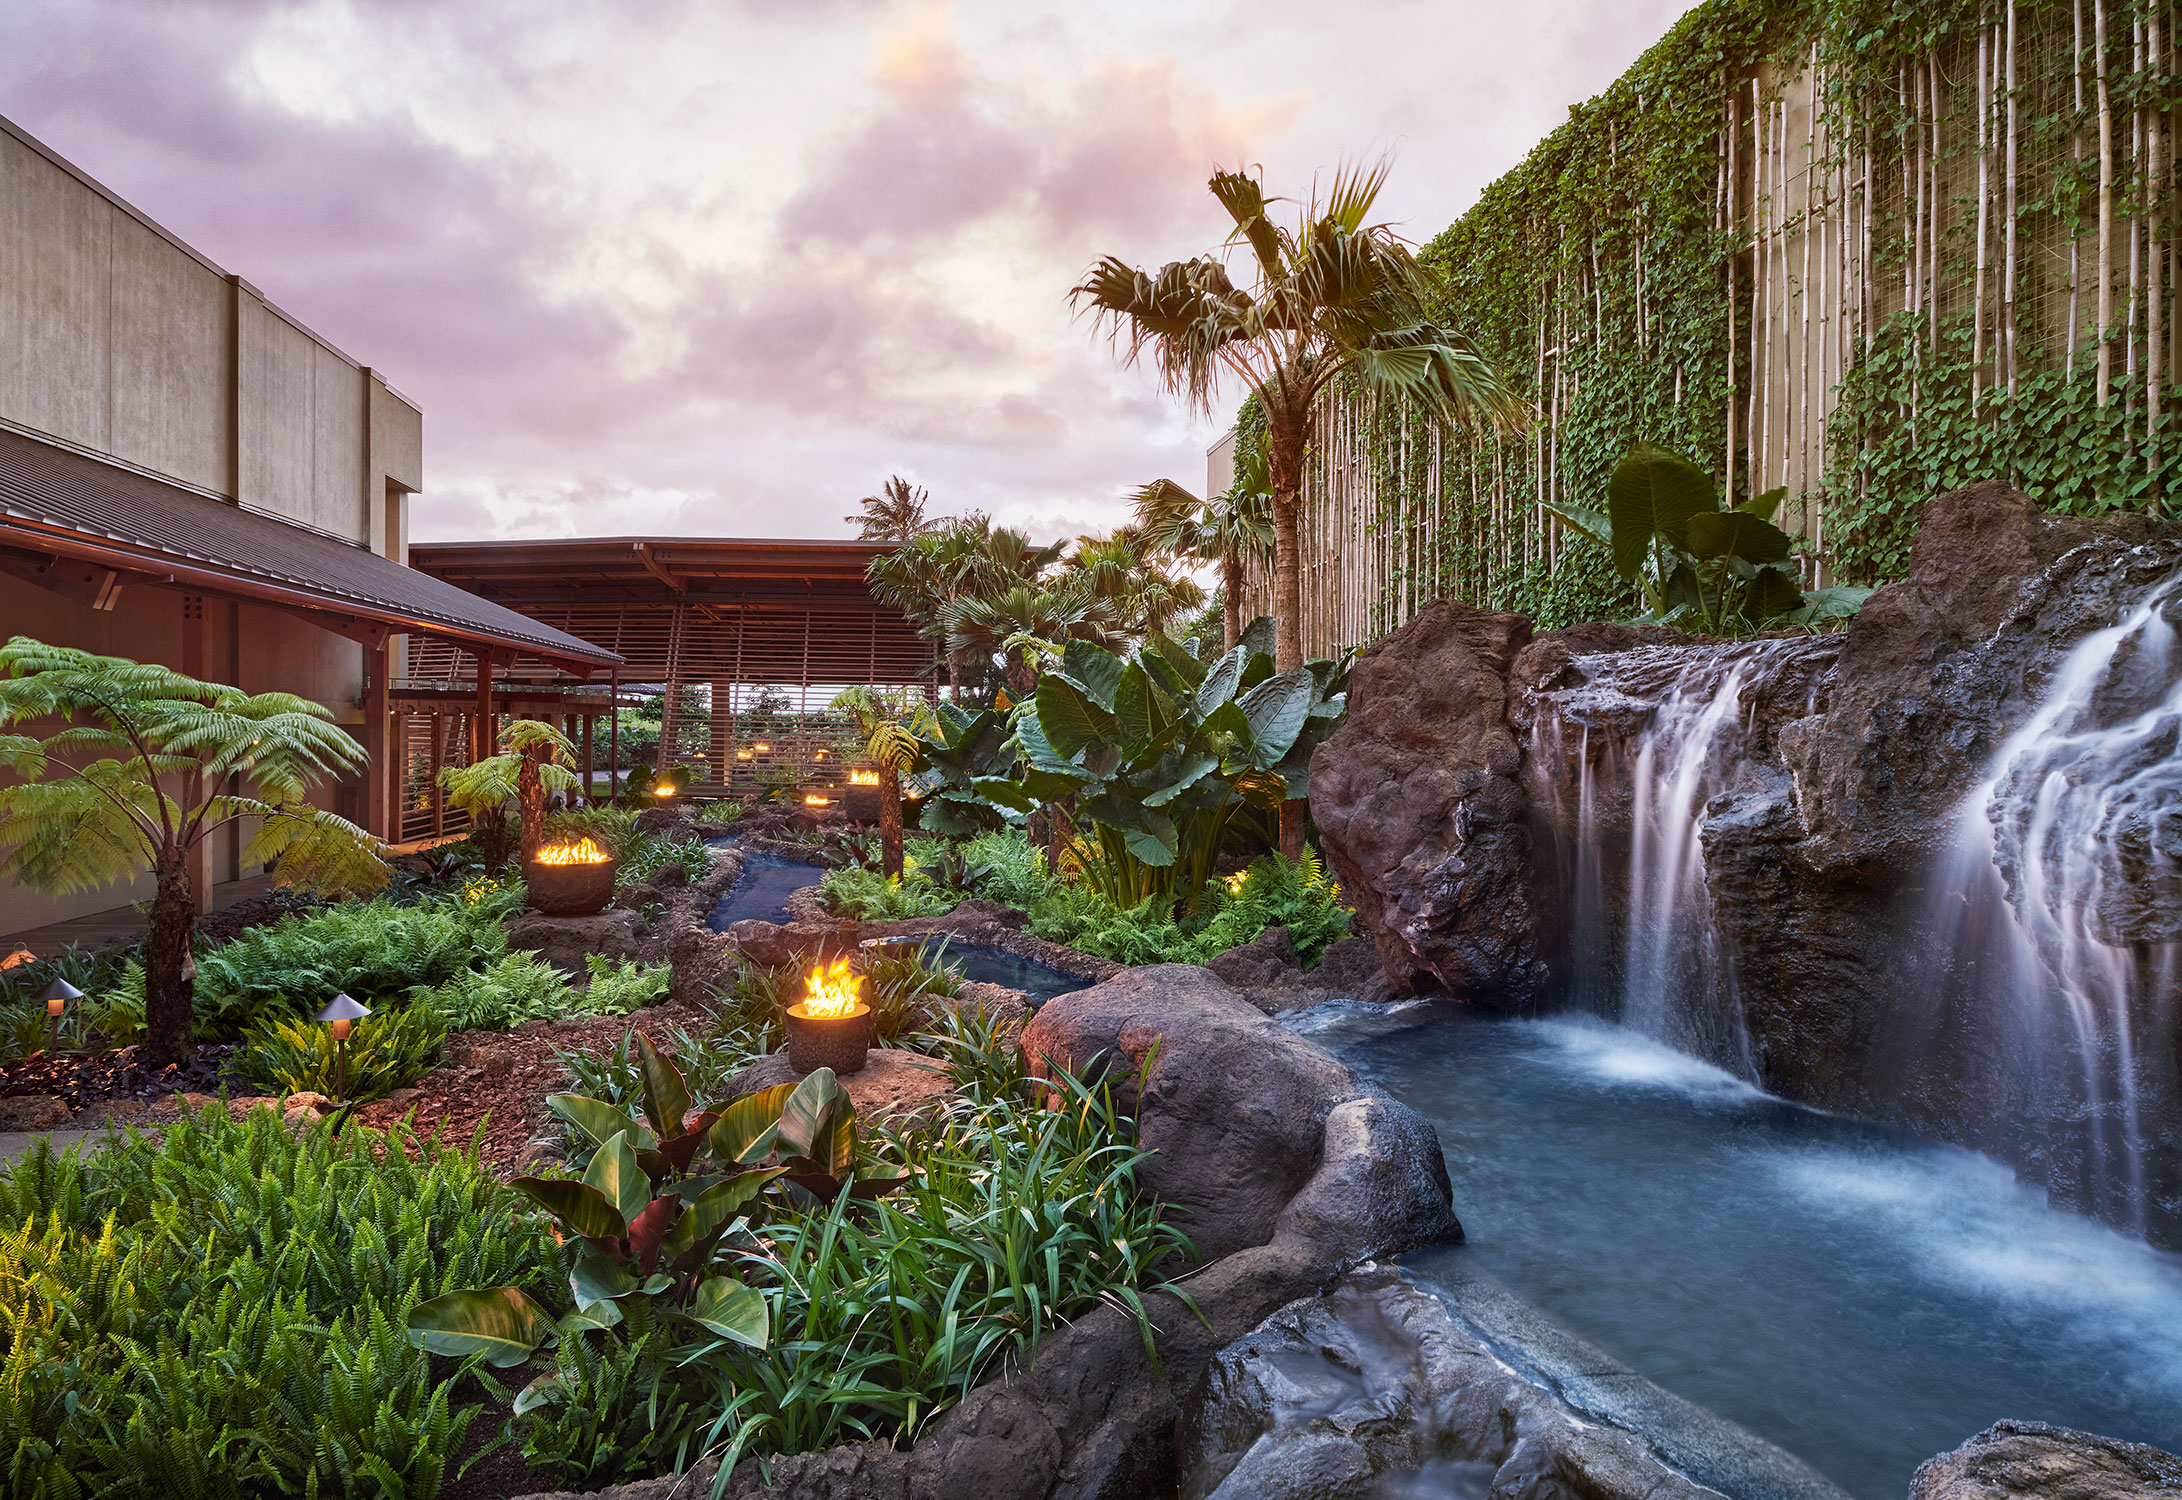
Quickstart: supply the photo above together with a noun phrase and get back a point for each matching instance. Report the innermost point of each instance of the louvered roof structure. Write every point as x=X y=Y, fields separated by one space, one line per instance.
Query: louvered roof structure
x=700 y=609
x=60 y=507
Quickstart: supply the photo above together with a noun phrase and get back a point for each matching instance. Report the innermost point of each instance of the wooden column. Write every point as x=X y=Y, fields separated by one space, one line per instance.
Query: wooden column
x=590 y=792
x=439 y=762
x=613 y=732
x=484 y=726
x=379 y=752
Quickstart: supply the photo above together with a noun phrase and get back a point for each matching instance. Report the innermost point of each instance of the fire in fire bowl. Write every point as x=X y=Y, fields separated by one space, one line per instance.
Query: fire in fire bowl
x=829 y=1027
x=571 y=880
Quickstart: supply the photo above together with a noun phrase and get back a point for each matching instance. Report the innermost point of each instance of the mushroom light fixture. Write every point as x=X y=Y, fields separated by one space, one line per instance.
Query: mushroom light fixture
x=56 y=997
x=339 y=1016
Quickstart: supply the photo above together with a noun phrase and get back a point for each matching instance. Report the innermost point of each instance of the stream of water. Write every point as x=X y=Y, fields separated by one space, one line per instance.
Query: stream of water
x=1856 y=1296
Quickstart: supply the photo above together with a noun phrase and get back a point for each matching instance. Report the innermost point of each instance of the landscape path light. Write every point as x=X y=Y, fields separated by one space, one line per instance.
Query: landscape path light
x=340 y=1014
x=56 y=997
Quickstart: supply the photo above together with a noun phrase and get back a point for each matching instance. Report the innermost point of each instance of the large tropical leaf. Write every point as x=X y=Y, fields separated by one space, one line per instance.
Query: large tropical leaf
x=1072 y=723
x=583 y=1208
x=1095 y=670
x=597 y=1121
x=501 y=1323
x=1772 y=593
x=818 y=1122
x=736 y=1312
x=666 y=1096
x=749 y=1126
x=616 y=1176
x=1141 y=709
x=1277 y=709
x=1735 y=533
x=1581 y=519
x=715 y=1206
x=1653 y=493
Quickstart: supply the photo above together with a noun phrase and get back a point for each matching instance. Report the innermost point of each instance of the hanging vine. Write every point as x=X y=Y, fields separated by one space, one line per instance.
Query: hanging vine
x=1867 y=249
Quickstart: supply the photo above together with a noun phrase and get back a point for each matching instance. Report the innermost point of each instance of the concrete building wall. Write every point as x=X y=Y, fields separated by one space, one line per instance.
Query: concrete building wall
x=118 y=339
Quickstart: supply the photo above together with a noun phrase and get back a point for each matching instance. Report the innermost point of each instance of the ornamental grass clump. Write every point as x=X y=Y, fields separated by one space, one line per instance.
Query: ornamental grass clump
x=219 y=1313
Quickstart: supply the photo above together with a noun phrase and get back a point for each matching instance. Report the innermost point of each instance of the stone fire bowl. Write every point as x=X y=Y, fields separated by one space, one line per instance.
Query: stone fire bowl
x=570 y=890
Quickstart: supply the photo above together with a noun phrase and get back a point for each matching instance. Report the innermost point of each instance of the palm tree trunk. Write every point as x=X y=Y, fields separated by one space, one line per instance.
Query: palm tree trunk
x=169 y=1012
x=1231 y=605
x=890 y=821
x=1287 y=428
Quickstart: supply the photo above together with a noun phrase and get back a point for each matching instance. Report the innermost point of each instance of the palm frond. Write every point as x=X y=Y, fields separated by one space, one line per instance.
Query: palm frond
x=315 y=849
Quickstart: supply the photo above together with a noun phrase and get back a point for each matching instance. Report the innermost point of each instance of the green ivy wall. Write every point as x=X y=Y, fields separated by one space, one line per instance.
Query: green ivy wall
x=1853 y=247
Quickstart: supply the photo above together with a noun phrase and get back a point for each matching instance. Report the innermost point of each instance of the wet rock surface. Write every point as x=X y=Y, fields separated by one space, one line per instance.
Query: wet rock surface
x=565 y=942
x=2036 y=1461
x=1794 y=933
x=1421 y=810
x=1349 y=1395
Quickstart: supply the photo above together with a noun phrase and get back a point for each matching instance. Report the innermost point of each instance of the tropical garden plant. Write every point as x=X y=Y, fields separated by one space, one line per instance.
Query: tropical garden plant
x=1233 y=529
x=1329 y=296
x=1697 y=566
x=532 y=767
x=895 y=515
x=134 y=783
x=1148 y=760
x=887 y=723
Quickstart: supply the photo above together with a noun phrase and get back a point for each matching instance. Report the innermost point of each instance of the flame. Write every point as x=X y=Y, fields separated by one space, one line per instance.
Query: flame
x=814 y=800
x=863 y=778
x=762 y=748
x=833 y=991
x=664 y=789
x=742 y=755
x=1235 y=882
x=585 y=851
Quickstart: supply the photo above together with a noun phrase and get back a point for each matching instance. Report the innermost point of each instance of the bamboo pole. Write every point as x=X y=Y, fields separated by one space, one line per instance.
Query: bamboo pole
x=1803 y=293
x=1733 y=239
x=2155 y=292
x=2075 y=229
x=1984 y=203
x=2106 y=202
x=1757 y=280
x=2007 y=274
x=1932 y=239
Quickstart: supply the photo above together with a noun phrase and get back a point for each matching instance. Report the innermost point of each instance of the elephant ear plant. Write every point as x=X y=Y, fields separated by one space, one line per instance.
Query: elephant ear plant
x=1720 y=572
x=1151 y=758
x=652 y=1234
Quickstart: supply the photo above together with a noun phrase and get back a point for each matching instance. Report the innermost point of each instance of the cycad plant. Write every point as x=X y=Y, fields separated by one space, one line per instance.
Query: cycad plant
x=131 y=785
x=528 y=771
x=1328 y=296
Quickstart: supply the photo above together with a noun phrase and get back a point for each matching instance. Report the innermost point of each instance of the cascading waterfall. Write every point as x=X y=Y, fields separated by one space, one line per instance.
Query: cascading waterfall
x=2062 y=894
x=1671 y=726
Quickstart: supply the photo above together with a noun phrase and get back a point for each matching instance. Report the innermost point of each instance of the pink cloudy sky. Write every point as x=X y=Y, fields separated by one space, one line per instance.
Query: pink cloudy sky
x=721 y=266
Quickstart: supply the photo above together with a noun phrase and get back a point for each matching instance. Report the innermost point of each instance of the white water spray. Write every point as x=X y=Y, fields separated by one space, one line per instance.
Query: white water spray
x=2063 y=889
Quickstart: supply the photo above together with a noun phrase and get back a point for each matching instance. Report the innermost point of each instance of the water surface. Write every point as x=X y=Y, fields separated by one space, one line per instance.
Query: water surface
x=1858 y=1297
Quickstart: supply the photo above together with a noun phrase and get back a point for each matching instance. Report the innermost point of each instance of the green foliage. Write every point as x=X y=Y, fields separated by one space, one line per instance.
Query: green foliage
x=23 y=1024
x=387 y=1050
x=645 y=855
x=376 y=951
x=218 y=1313
x=1273 y=892
x=74 y=823
x=1015 y=869
x=1019 y=1217
x=957 y=751
x=863 y=894
x=900 y=981
x=1721 y=572
x=619 y=986
x=518 y=987
x=1151 y=759
x=1598 y=275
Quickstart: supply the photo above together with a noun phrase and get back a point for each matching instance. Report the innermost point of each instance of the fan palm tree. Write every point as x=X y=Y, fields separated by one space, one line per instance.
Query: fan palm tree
x=1332 y=295
x=894 y=515
x=964 y=558
x=1020 y=627
x=1234 y=529
x=1131 y=593
x=889 y=723
x=532 y=768
x=75 y=824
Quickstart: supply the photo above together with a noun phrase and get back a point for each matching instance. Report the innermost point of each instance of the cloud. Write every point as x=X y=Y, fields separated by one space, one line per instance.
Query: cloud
x=722 y=267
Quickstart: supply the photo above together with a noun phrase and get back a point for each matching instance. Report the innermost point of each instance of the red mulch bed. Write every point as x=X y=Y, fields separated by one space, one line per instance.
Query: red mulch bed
x=113 y=1076
x=499 y=1079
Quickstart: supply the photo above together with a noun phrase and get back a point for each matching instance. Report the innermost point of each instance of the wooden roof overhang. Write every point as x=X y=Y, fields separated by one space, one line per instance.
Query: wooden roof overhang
x=76 y=524
x=700 y=608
